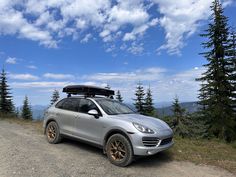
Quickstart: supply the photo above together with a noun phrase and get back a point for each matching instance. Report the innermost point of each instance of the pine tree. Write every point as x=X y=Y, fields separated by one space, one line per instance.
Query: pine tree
x=17 y=113
x=232 y=64
x=55 y=97
x=149 y=109
x=26 y=110
x=216 y=90
x=179 y=120
x=232 y=69
x=178 y=112
x=108 y=86
x=6 y=104
x=118 y=96
x=139 y=100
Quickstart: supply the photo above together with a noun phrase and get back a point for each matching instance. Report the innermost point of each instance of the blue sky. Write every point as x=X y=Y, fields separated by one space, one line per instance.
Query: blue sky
x=50 y=44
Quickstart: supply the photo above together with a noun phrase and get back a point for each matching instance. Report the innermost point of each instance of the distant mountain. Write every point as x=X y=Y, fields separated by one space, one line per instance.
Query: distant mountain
x=38 y=111
x=163 y=110
x=190 y=107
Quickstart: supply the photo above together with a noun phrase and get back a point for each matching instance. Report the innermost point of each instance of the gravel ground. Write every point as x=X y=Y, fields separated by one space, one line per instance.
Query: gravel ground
x=25 y=152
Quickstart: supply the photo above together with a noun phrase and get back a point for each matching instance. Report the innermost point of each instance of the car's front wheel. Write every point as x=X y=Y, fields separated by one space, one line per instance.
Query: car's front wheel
x=53 y=133
x=119 y=150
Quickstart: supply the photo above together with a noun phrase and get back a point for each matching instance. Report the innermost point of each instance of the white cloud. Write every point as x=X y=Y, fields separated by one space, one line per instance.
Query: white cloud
x=23 y=77
x=12 y=22
x=149 y=74
x=58 y=76
x=11 y=60
x=164 y=84
x=31 y=67
x=180 y=19
x=86 y=38
x=48 y=22
x=40 y=84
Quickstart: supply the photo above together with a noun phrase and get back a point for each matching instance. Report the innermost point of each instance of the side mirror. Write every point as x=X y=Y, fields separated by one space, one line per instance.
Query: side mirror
x=93 y=112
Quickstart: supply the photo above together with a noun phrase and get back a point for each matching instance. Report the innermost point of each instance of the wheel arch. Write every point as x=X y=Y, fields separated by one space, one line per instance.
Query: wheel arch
x=112 y=132
x=48 y=121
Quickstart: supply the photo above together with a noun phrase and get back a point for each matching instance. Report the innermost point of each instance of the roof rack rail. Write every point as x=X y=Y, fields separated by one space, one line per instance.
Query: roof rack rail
x=88 y=91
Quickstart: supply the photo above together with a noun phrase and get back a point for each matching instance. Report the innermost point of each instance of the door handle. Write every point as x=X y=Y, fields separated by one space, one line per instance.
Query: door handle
x=77 y=117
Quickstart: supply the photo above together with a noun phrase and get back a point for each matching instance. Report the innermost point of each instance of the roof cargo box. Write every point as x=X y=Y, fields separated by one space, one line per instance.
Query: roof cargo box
x=87 y=90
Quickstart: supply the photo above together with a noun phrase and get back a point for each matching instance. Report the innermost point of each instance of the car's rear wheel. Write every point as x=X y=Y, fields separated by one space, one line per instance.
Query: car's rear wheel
x=53 y=133
x=119 y=150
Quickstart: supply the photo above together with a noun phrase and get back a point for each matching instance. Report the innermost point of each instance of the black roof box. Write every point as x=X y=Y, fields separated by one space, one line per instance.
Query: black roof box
x=87 y=90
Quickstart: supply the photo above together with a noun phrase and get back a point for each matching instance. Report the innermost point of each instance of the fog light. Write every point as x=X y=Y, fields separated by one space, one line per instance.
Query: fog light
x=149 y=152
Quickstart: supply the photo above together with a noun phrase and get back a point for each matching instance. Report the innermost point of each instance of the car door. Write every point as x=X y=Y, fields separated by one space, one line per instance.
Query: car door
x=67 y=113
x=89 y=127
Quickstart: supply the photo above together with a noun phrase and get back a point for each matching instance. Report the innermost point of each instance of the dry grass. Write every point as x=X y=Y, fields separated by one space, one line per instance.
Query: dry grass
x=37 y=125
x=209 y=152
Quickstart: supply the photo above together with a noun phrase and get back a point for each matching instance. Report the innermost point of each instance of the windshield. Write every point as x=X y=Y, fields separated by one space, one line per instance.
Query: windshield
x=112 y=107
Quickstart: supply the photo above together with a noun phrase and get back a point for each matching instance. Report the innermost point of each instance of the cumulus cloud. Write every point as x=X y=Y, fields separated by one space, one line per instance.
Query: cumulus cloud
x=86 y=38
x=48 y=22
x=180 y=19
x=58 y=76
x=11 y=60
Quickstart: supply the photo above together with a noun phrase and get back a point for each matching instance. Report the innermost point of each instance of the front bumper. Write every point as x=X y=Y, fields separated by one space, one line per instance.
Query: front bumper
x=145 y=151
x=141 y=150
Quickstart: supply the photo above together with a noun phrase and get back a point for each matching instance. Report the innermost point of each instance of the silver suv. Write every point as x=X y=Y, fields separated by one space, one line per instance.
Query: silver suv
x=108 y=124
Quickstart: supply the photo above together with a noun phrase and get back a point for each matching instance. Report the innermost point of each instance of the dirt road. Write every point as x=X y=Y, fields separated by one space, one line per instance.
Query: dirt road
x=25 y=152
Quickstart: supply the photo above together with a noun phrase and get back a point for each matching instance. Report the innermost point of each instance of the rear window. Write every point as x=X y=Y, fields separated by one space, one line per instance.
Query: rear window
x=70 y=104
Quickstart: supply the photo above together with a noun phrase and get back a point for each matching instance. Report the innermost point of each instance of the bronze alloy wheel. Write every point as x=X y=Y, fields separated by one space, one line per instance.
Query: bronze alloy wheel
x=51 y=133
x=117 y=150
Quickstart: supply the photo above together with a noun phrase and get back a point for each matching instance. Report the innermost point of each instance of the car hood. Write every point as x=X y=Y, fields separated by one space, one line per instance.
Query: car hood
x=151 y=122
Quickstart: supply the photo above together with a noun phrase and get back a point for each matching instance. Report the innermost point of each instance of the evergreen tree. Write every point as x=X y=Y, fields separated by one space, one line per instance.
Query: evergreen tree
x=232 y=70
x=178 y=112
x=55 y=96
x=6 y=104
x=118 y=96
x=108 y=86
x=26 y=110
x=216 y=89
x=232 y=64
x=139 y=100
x=17 y=113
x=181 y=124
x=149 y=109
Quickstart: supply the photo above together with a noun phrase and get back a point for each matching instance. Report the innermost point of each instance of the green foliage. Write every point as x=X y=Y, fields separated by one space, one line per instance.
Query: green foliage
x=55 y=97
x=139 y=100
x=216 y=91
x=118 y=96
x=6 y=104
x=148 y=107
x=26 y=110
x=184 y=124
x=179 y=120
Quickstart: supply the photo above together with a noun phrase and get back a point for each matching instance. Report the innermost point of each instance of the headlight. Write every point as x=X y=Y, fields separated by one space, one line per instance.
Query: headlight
x=143 y=128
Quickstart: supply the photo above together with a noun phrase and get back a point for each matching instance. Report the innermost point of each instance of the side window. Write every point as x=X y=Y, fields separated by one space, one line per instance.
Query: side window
x=71 y=104
x=86 y=105
x=60 y=104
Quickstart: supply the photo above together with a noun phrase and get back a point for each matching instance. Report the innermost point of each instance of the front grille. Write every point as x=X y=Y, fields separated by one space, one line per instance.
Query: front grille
x=150 y=141
x=166 y=141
